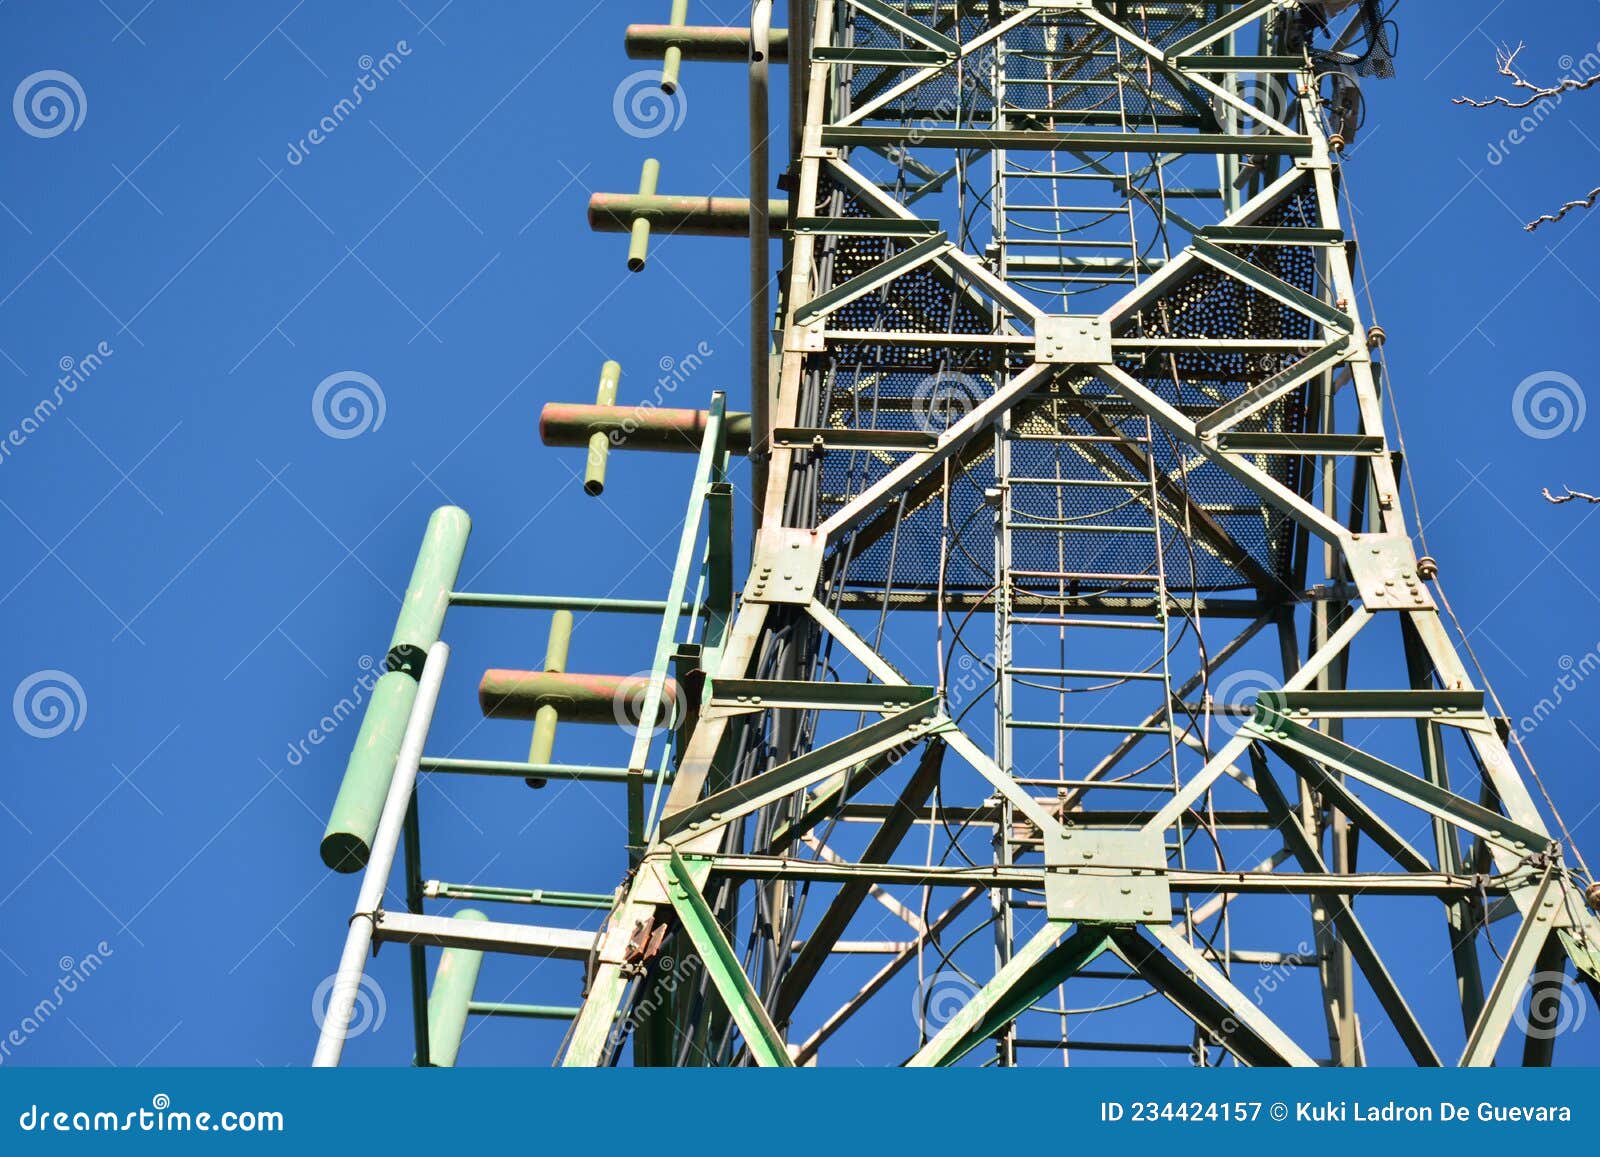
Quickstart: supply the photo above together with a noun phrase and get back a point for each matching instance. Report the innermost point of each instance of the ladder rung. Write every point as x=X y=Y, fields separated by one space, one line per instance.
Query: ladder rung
x=1108 y=728
x=1083 y=673
x=1080 y=528
x=1069 y=439
x=1120 y=208
x=1094 y=784
x=1140 y=483
x=1063 y=243
x=1105 y=624
x=1088 y=576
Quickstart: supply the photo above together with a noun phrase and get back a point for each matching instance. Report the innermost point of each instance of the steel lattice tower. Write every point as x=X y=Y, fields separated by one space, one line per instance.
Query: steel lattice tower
x=1083 y=645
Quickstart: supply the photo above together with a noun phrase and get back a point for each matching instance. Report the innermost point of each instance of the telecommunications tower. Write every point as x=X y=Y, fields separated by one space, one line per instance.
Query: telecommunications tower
x=1057 y=682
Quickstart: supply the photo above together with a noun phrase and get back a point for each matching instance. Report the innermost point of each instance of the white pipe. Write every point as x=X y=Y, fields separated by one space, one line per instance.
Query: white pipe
x=375 y=877
x=760 y=233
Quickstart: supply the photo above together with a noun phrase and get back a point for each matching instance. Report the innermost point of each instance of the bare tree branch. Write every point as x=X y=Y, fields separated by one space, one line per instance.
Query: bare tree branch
x=1506 y=60
x=1571 y=495
x=1506 y=66
x=1550 y=218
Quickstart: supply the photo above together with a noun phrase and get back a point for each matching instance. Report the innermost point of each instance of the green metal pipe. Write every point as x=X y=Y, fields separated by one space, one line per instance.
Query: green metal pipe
x=428 y=593
x=542 y=747
x=451 y=997
x=347 y=842
x=687 y=215
x=638 y=428
x=573 y=771
x=580 y=698
x=594 y=475
x=545 y=897
x=530 y=1011
x=561 y=603
x=672 y=57
x=639 y=227
x=698 y=42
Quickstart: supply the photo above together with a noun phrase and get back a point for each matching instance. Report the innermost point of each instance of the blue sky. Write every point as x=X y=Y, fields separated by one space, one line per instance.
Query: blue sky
x=210 y=568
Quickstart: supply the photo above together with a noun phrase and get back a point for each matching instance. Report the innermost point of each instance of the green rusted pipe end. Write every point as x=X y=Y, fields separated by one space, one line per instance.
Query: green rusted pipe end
x=428 y=593
x=639 y=227
x=577 y=698
x=451 y=998
x=672 y=58
x=687 y=215
x=637 y=427
x=594 y=475
x=698 y=42
x=354 y=821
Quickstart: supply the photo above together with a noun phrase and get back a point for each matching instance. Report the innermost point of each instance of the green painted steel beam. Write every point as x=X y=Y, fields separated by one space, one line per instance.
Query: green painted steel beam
x=1041 y=964
x=1279 y=731
x=1258 y=64
x=1039 y=140
x=890 y=57
x=1218 y=28
x=1272 y=442
x=748 y=795
x=722 y=964
x=864 y=283
x=1271 y=284
x=1216 y=1018
x=1352 y=934
x=1369 y=822
x=1397 y=704
x=1484 y=1040
x=897 y=19
x=825 y=934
